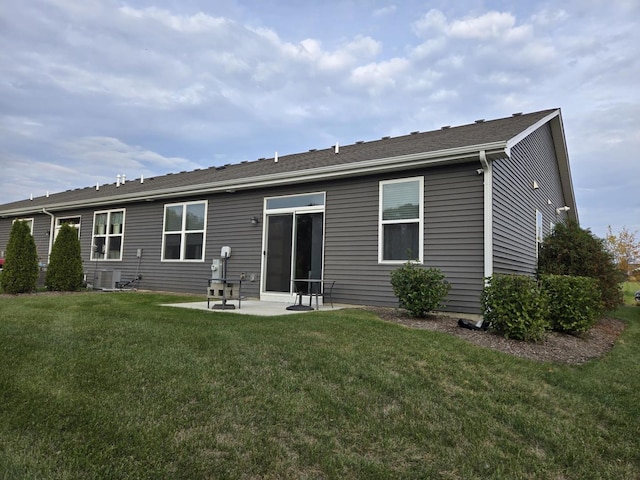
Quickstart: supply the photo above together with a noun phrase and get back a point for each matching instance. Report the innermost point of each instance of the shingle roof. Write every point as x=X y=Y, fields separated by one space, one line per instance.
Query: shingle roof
x=446 y=138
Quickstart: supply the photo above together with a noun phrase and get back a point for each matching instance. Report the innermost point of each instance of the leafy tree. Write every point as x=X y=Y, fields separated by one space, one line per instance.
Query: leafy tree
x=571 y=250
x=20 y=272
x=625 y=248
x=65 y=272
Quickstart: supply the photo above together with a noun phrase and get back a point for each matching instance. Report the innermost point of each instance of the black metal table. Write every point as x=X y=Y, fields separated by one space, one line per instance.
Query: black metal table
x=310 y=291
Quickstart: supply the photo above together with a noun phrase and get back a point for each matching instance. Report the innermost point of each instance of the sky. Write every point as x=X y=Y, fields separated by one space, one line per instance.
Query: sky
x=90 y=89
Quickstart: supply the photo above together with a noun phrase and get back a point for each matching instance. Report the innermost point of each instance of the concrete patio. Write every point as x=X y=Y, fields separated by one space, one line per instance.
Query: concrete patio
x=254 y=307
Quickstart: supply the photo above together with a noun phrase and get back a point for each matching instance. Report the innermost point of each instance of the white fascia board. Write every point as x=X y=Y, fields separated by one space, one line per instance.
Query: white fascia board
x=387 y=164
x=560 y=145
x=525 y=133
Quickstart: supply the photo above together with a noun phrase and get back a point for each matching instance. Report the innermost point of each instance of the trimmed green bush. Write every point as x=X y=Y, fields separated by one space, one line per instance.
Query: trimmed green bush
x=20 y=272
x=64 y=272
x=571 y=250
x=516 y=307
x=575 y=304
x=419 y=289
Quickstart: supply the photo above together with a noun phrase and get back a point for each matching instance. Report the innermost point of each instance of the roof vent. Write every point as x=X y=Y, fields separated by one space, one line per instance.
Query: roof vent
x=221 y=167
x=244 y=161
x=262 y=158
x=480 y=121
x=446 y=127
x=313 y=149
x=517 y=114
x=385 y=138
x=141 y=178
x=275 y=158
x=97 y=186
x=359 y=142
x=336 y=148
x=416 y=132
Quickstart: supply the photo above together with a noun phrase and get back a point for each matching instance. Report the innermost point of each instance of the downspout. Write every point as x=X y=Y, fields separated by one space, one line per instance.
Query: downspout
x=487 y=173
x=51 y=232
x=488 y=213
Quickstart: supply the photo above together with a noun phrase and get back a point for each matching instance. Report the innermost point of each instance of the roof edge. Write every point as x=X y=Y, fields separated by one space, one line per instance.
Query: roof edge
x=378 y=165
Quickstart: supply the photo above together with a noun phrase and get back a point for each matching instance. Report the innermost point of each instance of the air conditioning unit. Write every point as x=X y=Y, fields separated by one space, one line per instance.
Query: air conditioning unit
x=106 y=279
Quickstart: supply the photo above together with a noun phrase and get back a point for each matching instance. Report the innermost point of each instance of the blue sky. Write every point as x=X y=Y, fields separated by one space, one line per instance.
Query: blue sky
x=94 y=88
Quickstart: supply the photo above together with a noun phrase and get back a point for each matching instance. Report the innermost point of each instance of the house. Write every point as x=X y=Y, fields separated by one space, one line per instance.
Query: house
x=471 y=200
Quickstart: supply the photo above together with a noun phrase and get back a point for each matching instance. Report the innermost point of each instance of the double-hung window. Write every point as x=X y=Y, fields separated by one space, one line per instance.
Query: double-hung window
x=108 y=235
x=184 y=231
x=401 y=220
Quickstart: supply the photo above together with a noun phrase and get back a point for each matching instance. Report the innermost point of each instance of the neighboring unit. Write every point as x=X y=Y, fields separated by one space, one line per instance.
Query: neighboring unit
x=470 y=200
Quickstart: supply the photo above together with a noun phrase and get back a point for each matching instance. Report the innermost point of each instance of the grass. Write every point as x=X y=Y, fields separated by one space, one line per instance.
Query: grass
x=114 y=386
x=629 y=289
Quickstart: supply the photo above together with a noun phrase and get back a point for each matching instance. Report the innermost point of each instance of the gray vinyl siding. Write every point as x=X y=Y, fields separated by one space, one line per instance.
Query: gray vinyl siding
x=515 y=201
x=453 y=237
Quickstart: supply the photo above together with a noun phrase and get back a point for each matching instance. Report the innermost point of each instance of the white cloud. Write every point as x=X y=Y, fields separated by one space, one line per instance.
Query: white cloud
x=376 y=77
x=388 y=10
x=114 y=152
x=106 y=86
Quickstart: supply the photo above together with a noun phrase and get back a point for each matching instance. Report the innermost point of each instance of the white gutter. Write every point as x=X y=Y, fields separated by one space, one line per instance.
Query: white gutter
x=288 y=177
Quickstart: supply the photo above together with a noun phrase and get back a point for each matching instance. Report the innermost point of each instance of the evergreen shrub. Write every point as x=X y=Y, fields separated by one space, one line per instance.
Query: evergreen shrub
x=419 y=289
x=65 y=272
x=516 y=307
x=20 y=272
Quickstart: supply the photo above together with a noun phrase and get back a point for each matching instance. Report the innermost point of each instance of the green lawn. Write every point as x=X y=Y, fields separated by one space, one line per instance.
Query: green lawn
x=99 y=385
x=629 y=289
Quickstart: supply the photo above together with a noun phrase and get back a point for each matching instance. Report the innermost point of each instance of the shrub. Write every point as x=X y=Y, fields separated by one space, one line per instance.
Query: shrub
x=64 y=272
x=420 y=290
x=571 y=250
x=20 y=272
x=575 y=304
x=515 y=307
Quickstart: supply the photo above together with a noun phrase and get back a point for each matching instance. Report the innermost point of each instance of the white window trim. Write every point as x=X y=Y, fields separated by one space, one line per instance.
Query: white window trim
x=30 y=220
x=58 y=225
x=419 y=221
x=539 y=230
x=183 y=232
x=107 y=235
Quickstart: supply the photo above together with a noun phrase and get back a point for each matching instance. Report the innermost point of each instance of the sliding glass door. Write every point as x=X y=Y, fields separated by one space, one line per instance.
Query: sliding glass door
x=294 y=241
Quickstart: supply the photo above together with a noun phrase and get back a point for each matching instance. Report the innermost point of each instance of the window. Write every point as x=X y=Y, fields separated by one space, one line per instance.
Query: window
x=72 y=221
x=539 y=234
x=108 y=233
x=296 y=201
x=28 y=221
x=183 y=231
x=401 y=217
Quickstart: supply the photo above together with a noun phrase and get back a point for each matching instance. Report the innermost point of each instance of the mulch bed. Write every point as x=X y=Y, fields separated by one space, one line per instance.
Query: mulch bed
x=557 y=347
